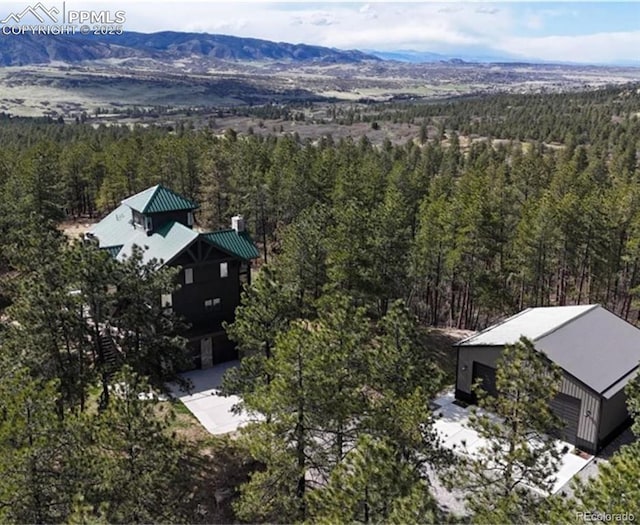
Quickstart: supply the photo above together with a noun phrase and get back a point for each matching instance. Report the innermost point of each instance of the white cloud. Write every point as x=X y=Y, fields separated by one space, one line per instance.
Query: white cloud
x=594 y=48
x=413 y=37
x=533 y=21
x=319 y=18
x=423 y=26
x=487 y=10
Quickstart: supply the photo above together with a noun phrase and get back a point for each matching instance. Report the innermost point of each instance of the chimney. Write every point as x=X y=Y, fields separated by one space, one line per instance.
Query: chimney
x=237 y=223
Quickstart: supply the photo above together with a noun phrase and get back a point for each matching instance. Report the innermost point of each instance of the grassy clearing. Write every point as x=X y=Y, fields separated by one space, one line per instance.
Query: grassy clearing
x=184 y=424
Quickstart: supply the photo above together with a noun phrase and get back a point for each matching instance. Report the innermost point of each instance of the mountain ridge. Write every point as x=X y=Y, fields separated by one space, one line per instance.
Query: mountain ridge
x=20 y=50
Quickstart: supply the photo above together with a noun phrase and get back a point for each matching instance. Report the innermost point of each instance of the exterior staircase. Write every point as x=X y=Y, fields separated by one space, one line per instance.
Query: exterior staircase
x=110 y=352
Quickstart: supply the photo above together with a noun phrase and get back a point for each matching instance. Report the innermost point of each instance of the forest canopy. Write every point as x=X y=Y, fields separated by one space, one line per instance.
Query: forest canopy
x=496 y=204
x=493 y=205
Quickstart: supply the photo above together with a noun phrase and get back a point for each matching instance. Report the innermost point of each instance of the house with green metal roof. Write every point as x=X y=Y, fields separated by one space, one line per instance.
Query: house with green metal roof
x=214 y=266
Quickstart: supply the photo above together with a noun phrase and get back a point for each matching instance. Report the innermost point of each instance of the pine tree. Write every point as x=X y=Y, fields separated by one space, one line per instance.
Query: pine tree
x=311 y=403
x=266 y=309
x=39 y=472
x=614 y=489
x=47 y=335
x=371 y=486
x=332 y=386
x=284 y=443
x=520 y=455
x=147 y=333
x=139 y=472
x=303 y=259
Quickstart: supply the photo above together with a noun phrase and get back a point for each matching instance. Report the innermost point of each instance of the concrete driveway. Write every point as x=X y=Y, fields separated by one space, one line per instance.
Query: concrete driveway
x=206 y=403
x=453 y=427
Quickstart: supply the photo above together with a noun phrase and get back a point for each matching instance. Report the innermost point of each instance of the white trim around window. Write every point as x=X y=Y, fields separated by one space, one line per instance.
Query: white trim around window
x=166 y=299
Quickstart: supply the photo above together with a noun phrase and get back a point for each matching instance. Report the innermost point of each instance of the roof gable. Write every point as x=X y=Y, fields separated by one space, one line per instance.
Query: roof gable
x=163 y=245
x=599 y=349
x=158 y=199
x=235 y=243
x=592 y=344
x=118 y=234
x=532 y=323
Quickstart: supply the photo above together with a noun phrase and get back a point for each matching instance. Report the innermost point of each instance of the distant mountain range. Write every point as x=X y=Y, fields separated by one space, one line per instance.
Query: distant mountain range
x=18 y=50
x=466 y=55
x=423 y=57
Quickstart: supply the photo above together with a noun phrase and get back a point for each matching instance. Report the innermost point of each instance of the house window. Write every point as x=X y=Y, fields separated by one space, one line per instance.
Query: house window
x=188 y=275
x=244 y=273
x=166 y=300
x=138 y=218
x=213 y=305
x=224 y=269
x=148 y=223
x=190 y=219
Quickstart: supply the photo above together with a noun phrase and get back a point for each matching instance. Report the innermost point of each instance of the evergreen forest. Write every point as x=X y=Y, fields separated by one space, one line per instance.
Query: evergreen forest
x=497 y=203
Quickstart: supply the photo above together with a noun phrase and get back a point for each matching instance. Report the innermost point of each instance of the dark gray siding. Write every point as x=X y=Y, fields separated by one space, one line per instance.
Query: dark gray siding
x=590 y=402
x=160 y=219
x=614 y=414
x=568 y=409
x=189 y=300
x=590 y=411
x=485 y=355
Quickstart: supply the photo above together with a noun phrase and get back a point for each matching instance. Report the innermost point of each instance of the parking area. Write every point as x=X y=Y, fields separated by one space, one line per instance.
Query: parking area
x=453 y=426
x=213 y=410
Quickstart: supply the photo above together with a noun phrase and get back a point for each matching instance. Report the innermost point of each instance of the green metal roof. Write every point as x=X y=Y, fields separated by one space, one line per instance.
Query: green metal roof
x=238 y=244
x=115 y=228
x=114 y=250
x=158 y=199
x=117 y=234
x=163 y=245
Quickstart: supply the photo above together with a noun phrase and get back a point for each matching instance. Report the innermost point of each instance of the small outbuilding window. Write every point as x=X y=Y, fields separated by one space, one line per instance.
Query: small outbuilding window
x=224 y=269
x=188 y=275
x=190 y=219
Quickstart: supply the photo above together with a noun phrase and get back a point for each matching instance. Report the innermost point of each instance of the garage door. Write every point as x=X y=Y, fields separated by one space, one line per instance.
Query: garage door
x=567 y=408
x=487 y=377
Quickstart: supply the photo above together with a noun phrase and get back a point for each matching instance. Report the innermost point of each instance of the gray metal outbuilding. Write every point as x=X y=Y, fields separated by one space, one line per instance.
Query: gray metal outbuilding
x=598 y=353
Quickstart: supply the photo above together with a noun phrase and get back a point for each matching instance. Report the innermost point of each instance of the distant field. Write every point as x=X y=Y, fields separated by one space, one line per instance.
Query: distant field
x=117 y=85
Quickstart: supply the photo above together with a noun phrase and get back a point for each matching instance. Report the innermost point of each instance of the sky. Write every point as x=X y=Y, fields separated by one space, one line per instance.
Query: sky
x=568 y=31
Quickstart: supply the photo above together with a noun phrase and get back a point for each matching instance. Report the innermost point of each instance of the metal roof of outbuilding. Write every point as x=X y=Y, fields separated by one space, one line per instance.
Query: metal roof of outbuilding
x=592 y=344
x=531 y=323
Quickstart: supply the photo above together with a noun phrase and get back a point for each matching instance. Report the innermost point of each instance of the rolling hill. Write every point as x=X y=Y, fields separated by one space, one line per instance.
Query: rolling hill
x=20 y=50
